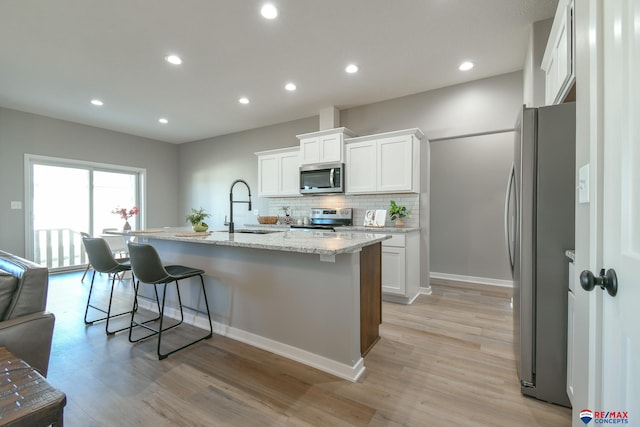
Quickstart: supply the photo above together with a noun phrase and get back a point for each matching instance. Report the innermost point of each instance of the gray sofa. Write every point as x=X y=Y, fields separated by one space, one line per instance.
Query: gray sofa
x=26 y=329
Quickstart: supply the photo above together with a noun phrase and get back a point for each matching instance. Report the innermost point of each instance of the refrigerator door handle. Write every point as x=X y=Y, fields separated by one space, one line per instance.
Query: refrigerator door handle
x=507 y=203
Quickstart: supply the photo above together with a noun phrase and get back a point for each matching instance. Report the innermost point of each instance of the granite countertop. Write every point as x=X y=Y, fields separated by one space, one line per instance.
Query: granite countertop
x=362 y=228
x=356 y=228
x=314 y=242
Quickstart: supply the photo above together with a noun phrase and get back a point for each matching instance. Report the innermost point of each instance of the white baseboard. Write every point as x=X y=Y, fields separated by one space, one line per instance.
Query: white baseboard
x=473 y=279
x=351 y=373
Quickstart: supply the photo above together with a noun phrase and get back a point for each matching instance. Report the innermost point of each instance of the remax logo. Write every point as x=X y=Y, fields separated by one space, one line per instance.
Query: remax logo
x=604 y=417
x=586 y=416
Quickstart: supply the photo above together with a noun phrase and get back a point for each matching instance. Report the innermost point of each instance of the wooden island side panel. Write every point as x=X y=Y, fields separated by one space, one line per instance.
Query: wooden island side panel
x=370 y=296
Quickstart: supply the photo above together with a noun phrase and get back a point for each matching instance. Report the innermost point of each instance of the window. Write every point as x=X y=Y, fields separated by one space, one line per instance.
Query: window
x=68 y=197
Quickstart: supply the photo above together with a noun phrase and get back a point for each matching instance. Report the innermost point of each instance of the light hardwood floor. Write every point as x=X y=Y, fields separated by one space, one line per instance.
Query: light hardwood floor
x=445 y=360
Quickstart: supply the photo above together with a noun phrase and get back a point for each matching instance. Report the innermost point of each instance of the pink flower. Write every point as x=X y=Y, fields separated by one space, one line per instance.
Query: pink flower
x=124 y=213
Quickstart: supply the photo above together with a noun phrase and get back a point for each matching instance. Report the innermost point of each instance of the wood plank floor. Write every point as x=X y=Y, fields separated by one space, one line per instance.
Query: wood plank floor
x=445 y=360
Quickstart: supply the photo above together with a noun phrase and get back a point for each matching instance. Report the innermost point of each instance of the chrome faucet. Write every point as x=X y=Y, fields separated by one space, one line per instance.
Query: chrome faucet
x=231 y=202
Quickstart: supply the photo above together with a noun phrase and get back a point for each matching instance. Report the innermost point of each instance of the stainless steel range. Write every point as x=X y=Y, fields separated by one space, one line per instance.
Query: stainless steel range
x=327 y=219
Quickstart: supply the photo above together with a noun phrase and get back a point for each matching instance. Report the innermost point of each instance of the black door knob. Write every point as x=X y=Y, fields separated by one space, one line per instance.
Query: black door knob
x=608 y=281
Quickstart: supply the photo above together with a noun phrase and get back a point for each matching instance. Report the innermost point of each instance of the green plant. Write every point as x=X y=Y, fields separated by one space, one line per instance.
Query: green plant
x=397 y=211
x=197 y=216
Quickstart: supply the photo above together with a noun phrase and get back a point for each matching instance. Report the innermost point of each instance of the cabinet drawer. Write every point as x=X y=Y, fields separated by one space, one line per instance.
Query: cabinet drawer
x=396 y=240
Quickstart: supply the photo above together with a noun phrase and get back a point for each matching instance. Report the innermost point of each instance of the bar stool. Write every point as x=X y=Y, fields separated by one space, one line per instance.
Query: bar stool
x=147 y=268
x=102 y=261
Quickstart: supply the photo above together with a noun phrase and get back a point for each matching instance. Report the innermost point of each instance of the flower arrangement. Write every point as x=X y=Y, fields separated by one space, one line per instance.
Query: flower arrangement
x=124 y=213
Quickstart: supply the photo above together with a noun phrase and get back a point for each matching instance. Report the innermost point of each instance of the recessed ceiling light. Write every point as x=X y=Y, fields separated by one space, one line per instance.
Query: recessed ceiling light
x=269 y=11
x=290 y=87
x=466 y=66
x=97 y=102
x=243 y=100
x=351 y=68
x=173 y=59
x=163 y=120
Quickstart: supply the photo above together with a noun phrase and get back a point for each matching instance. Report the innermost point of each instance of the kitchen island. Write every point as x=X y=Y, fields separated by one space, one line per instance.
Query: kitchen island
x=310 y=296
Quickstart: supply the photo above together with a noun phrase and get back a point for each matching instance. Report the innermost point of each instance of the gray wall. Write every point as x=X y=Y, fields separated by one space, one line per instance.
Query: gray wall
x=22 y=133
x=199 y=174
x=468 y=187
x=208 y=167
x=468 y=175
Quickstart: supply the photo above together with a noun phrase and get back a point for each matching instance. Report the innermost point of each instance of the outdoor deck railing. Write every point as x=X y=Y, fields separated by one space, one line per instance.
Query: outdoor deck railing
x=59 y=247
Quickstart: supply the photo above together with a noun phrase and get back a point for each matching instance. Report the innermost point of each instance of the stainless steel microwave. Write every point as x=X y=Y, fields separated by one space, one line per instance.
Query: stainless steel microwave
x=322 y=178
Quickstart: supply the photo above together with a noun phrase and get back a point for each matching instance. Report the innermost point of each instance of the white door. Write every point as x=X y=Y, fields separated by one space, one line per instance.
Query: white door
x=610 y=112
x=621 y=207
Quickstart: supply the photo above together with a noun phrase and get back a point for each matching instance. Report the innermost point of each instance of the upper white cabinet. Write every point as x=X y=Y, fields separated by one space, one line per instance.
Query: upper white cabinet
x=279 y=172
x=558 y=60
x=324 y=146
x=384 y=163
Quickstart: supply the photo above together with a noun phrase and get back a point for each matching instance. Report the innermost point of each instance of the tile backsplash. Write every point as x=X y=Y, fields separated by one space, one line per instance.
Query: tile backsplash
x=300 y=206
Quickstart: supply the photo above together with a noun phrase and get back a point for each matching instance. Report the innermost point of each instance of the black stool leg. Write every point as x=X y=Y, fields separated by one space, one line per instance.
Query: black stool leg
x=206 y=303
x=109 y=316
x=142 y=324
x=209 y=335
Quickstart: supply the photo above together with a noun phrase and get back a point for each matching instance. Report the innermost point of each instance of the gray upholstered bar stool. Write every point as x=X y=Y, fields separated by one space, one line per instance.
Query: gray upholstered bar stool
x=148 y=268
x=102 y=261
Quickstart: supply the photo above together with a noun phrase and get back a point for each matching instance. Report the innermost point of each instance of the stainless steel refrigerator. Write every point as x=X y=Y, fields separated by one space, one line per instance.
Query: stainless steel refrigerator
x=539 y=228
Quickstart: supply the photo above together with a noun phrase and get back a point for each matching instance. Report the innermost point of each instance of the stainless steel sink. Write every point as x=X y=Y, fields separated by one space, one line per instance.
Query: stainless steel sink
x=251 y=231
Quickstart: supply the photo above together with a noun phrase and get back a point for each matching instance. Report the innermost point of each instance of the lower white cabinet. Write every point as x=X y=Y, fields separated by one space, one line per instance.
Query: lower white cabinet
x=401 y=267
x=279 y=172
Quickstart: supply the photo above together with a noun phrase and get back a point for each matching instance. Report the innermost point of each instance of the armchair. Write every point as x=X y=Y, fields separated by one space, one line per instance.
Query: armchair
x=26 y=329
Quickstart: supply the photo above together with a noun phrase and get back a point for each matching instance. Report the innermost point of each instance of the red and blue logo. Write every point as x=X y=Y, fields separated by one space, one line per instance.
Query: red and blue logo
x=586 y=416
x=604 y=417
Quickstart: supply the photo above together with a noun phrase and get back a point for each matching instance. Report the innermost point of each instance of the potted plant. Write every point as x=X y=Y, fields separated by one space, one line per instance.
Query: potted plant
x=197 y=219
x=397 y=213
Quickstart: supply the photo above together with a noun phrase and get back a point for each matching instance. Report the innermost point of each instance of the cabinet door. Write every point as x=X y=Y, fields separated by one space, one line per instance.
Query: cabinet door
x=290 y=174
x=361 y=167
x=268 y=175
x=330 y=148
x=309 y=150
x=394 y=160
x=393 y=270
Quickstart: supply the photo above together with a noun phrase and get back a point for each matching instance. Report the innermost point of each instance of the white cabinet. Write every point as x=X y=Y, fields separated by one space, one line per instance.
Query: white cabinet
x=360 y=170
x=383 y=163
x=558 y=60
x=401 y=267
x=323 y=146
x=394 y=271
x=279 y=172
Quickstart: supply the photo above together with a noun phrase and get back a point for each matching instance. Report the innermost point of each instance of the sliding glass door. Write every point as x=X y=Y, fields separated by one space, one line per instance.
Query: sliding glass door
x=68 y=198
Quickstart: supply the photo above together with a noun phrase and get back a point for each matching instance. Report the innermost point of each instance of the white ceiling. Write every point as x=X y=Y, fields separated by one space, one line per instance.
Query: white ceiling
x=56 y=55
